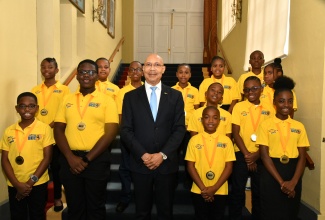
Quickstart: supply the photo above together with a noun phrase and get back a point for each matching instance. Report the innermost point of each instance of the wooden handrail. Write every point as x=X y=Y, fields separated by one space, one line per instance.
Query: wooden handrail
x=227 y=64
x=70 y=77
x=74 y=72
x=117 y=48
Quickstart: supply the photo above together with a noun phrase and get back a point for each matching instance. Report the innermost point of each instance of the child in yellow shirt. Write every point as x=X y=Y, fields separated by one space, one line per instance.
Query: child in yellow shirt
x=26 y=154
x=210 y=159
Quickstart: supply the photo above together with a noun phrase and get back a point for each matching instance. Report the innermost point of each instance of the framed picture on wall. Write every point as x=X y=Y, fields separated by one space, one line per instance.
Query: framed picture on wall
x=103 y=17
x=111 y=17
x=80 y=5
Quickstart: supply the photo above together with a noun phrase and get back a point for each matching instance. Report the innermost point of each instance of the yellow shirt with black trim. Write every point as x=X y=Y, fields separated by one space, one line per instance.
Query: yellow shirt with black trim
x=244 y=76
x=107 y=88
x=100 y=110
x=120 y=96
x=230 y=88
x=241 y=116
x=191 y=97
x=269 y=135
x=54 y=94
x=224 y=152
x=32 y=152
x=195 y=122
x=267 y=99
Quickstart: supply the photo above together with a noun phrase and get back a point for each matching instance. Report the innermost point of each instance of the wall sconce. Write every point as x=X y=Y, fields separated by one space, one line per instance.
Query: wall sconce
x=236 y=9
x=98 y=12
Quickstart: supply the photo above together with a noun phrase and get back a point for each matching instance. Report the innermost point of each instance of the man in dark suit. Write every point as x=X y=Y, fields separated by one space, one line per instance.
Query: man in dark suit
x=153 y=126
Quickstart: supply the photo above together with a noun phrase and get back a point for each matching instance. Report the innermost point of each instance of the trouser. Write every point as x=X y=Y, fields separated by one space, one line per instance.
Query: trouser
x=237 y=195
x=55 y=168
x=125 y=174
x=154 y=187
x=86 y=192
x=209 y=210
x=31 y=207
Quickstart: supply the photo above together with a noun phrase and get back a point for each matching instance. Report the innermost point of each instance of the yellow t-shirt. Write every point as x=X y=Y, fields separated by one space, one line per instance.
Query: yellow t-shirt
x=244 y=76
x=32 y=151
x=268 y=134
x=195 y=122
x=107 y=88
x=49 y=98
x=100 y=110
x=267 y=99
x=120 y=96
x=245 y=114
x=190 y=97
x=230 y=88
x=224 y=152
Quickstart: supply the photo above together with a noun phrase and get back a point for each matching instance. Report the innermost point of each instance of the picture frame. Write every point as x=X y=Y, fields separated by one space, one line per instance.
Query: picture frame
x=111 y=6
x=79 y=4
x=103 y=17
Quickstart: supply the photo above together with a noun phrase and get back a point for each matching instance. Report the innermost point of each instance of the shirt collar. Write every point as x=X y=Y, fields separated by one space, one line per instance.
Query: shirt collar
x=147 y=85
x=207 y=135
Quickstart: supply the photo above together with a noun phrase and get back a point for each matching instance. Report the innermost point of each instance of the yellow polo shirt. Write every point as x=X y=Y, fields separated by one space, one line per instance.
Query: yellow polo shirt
x=267 y=99
x=120 y=96
x=268 y=135
x=230 y=88
x=224 y=152
x=190 y=97
x=242 y=115
x=100 y=110
x=107 y=88
x=244 y=76
x=195 y=122
x=49 y=98
x=40 y=137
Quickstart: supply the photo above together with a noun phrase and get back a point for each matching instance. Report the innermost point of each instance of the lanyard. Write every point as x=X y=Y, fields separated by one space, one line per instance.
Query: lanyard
x=46 y=99
x=284 y=142
x=21 y=146
x=255 y=123
x=206 y=151
x=85 y=108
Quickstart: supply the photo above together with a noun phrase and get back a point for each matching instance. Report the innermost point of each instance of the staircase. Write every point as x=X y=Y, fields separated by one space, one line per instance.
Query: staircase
x=169 y=77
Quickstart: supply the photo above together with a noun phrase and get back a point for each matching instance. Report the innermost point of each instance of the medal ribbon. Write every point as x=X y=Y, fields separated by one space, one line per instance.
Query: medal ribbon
x=284 y=142
x=258 y=117
x=85 y=108
x=206 y=151
x=46 y=99
x=21 y=146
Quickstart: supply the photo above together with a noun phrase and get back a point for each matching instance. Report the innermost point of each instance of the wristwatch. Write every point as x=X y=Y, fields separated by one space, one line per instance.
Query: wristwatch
x=85 y=159
x=34 y=178
x=163 y=156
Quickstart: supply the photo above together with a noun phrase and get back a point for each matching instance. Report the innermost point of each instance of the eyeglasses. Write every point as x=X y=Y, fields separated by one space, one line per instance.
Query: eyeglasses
x=132 y=70
x=30 y=106
x=154 y=65
x=253 y=89
x=89 y=72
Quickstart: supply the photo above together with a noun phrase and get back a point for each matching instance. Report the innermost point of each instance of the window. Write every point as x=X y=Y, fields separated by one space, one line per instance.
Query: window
x=228 y=21
x=267 y=28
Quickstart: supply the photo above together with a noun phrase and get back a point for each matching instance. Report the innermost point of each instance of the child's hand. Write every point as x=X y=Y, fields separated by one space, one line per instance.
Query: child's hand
x=288 y=187
x=208 y=191
x=252 y=167
x=77 y=165
x=250 y=158
x=23 y=190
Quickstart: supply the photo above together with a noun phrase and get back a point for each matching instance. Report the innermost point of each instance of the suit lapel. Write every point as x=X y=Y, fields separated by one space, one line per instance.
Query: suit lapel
x=144 y=99
x=163 y=100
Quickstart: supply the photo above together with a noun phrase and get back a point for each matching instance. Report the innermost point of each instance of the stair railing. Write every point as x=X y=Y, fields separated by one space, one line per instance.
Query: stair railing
x=111 y=59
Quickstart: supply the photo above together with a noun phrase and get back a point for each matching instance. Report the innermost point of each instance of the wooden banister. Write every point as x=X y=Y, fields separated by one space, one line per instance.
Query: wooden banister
x=117 y=49
x=227 y=64
x=111 y=58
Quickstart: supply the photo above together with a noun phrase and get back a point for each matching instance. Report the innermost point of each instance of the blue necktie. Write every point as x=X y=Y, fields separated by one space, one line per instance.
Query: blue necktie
x=153 y=102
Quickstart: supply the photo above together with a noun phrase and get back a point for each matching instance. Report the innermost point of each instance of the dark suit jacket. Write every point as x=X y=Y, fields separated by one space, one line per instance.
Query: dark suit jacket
x=142 y=135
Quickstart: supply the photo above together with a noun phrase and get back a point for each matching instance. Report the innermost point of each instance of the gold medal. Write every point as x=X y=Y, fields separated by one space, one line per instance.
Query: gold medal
x=253 y=137
x=81 y=126
x=284 y=159
x=43 y=112
x=19 y=160
x=210 y=175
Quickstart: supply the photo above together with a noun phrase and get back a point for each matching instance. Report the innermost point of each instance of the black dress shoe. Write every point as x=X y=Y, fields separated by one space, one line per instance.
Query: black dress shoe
x=58 y=208
x=121 y=206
